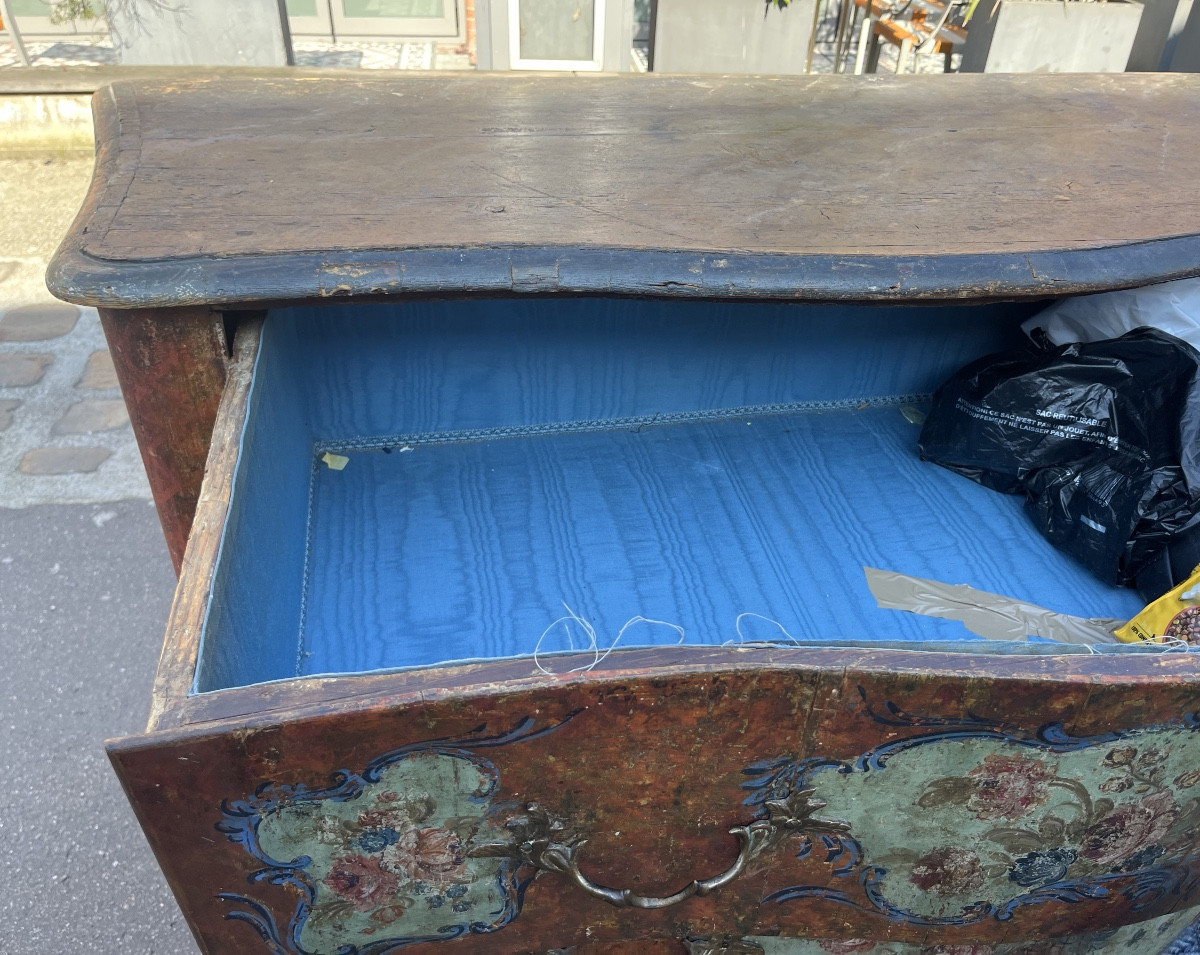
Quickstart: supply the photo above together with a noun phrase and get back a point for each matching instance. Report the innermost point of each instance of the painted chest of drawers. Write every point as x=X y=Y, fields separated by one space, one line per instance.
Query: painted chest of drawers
x=525 y=446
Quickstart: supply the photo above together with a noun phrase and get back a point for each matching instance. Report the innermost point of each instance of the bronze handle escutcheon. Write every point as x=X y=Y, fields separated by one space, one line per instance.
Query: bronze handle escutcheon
x=540 y=839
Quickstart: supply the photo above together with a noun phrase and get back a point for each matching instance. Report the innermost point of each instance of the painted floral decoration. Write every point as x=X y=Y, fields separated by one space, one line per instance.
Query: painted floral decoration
x=948 y=870
x=1007 y=787
x=1036 y=820
x=1043 y=867
x=393 y=859
x=382 y=859
x=846 y=946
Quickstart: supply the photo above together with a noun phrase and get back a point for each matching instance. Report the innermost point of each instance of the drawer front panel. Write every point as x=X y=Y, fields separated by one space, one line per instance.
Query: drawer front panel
x=807 y=803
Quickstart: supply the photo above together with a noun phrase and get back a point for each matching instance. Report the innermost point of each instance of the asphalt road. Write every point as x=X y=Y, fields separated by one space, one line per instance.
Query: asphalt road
x=84 y=592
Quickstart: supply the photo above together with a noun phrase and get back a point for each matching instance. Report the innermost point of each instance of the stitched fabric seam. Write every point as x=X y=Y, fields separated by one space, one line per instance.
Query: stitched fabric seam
x=611 y=424
x=301 y=637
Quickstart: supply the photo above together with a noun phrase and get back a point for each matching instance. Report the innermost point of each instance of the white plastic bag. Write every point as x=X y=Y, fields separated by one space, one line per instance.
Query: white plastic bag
x=1173 y=307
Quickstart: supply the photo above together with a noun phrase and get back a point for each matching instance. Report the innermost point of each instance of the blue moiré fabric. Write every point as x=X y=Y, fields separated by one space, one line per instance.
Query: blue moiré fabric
x=254 y=607
x=449 y=366
x=472 y=549
x=461 y=549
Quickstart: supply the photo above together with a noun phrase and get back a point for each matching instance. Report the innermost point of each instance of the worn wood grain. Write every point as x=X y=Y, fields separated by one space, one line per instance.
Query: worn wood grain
x=177 y=665
x=865 y=188
x=286 y=699
x=171 y=367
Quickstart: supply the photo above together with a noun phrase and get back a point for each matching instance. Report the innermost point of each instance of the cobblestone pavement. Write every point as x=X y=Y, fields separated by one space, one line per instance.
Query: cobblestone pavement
x=64 y=433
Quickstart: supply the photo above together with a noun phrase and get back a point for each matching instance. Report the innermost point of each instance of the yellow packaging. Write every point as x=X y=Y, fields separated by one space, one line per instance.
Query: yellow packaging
x=1175 y=614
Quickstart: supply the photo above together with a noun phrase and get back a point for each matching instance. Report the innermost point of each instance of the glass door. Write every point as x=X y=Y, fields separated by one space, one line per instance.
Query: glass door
x=309 y=18
x=556 y=34
x=398 y=18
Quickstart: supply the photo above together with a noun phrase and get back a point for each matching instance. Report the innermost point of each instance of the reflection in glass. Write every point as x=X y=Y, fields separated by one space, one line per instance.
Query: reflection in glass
x=394 y=8
x=557 y=29
x=29 y=8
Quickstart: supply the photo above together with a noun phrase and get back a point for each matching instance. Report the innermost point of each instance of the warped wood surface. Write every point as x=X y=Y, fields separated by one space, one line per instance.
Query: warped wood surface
x=820 y=187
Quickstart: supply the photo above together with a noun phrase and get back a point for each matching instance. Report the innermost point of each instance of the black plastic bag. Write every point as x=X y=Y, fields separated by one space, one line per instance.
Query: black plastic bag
x=1102 y=438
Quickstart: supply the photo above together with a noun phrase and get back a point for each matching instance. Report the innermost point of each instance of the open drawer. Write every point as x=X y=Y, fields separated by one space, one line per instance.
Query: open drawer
x=526 y=599
x=606 y=558
x=443 y=483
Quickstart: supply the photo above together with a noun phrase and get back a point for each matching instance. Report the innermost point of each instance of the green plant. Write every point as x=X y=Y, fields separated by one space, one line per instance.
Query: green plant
x=64 y=11
x=133 y=11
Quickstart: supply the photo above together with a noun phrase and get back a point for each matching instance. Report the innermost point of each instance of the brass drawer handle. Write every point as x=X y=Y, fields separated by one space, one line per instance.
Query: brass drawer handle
x=540 y=839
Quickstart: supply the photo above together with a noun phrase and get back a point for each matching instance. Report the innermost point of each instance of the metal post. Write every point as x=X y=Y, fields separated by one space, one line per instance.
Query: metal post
x=812 y=37
x=847 y=17
x=10 y=27
x=866 y=37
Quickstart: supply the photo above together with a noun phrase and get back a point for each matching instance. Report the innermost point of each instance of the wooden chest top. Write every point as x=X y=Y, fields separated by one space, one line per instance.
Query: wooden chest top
x=811 y=188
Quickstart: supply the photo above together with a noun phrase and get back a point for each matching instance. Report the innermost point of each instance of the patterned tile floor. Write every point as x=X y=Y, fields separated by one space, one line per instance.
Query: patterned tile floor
x=77 y=51
x=405 y=55
x=381 y=55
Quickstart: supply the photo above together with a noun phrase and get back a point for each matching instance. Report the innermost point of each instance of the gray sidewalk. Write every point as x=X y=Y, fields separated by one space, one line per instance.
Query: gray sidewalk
x=85 y=586
x=383 y=54
x=387 y=54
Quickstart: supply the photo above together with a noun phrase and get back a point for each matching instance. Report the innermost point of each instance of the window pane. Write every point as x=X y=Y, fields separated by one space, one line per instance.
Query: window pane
x=557 y=29
x=29 y=8
x=302 y=8
x=394 y=8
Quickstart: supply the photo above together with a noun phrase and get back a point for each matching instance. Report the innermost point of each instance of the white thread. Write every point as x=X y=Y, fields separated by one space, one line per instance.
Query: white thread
x=593 y=641
x=1169 y=644
x=737 y=626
